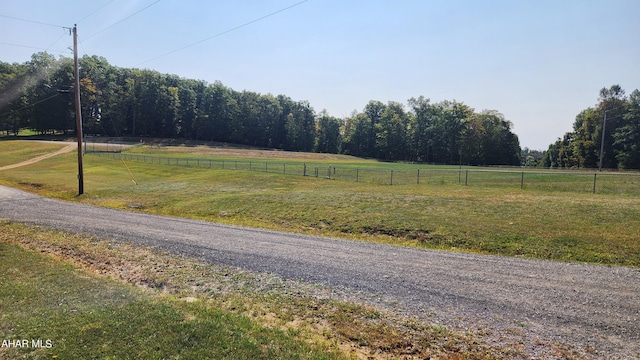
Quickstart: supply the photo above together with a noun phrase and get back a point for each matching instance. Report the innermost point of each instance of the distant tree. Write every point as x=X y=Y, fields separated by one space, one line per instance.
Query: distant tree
x=373 y=110
x=357 y=134
x=329 y=139
x=613 y=101
x=474 y=152
x=391 y=132
x=420 y=124
x=300 y=127
x=581 y=147
x=585 y=143
x=531 y=158
x=133 y=102
x=627 y=137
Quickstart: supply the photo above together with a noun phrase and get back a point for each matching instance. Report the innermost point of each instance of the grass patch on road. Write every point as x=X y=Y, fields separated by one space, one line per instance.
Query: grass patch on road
x=565 y=226
x=79 y=295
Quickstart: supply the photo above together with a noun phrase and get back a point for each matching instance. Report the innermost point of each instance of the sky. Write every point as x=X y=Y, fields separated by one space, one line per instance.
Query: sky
x=538 y=62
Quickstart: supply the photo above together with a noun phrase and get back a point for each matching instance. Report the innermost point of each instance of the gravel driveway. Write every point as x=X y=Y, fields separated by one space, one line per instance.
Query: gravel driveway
x=594 y=309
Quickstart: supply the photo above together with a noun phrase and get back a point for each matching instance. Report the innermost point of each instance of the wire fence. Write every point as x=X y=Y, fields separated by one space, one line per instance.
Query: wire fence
x=570 y=181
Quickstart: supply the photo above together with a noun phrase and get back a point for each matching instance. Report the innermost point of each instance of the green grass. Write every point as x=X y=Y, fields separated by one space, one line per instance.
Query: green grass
x=534 y=223
x=17 y=151
x=348 y=168
x=82 y=316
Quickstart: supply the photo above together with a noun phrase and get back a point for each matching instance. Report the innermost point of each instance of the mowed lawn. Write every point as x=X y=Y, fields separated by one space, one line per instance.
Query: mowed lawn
x=15 y=151
x=567 y=226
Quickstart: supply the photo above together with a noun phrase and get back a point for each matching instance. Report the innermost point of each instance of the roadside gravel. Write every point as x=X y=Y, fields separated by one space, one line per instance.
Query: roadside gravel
x=535 y=306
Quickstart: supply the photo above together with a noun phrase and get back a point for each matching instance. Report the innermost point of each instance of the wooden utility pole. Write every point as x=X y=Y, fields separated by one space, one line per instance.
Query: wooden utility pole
x=604 y=127
x=76 y=75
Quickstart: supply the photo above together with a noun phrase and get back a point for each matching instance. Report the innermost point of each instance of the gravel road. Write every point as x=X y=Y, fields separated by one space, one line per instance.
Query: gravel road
x=594 y=309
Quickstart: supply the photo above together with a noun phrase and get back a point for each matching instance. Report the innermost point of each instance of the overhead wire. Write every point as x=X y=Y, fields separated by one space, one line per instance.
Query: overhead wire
x=58 y=39
x=30 y=105
x=85 y=17
x=31 y=21
x=95 y=11
x=118 y=22
x=32 y=47
x=224 y=32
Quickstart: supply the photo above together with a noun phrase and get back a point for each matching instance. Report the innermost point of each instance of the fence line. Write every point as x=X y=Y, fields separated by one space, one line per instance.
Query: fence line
x=572 y=181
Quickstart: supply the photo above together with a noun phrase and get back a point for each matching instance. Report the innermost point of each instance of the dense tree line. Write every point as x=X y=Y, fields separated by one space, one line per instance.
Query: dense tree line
x=144 y=103
x=580 y=148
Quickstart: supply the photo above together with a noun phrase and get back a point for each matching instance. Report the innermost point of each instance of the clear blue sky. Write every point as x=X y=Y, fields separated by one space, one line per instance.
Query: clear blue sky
x=539 y=62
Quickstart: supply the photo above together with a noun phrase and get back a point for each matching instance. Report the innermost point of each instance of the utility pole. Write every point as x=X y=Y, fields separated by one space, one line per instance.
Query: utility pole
x=604 y=127
x=76 y=75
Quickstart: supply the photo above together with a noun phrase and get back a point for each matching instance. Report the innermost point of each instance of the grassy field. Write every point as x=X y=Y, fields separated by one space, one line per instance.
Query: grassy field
x=348 y=168
x=18 y=151
x=558 y=225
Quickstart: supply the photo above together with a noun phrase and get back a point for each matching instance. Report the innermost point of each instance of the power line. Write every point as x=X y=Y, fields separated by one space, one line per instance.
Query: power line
x=224 y=32
x=58 y=39
x=31 y=21
x=118 y=22
x=95 y=11
x=30 y=105
x=32 y=47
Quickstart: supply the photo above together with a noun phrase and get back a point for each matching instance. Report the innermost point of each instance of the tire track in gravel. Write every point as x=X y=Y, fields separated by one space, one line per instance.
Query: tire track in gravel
x=538 y=304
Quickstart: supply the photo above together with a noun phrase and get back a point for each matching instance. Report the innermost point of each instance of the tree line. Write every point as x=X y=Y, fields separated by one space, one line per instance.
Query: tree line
x=126 y=102
x=609 y=131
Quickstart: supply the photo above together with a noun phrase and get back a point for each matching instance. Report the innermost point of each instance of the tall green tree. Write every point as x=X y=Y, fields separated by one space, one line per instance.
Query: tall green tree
x=300 y=127
x=329 y=138
x=356 y=135
x=500 y=145
x=391 y=132
x=420 y=126
x=616 y=116
x=612 y=101
x=626 y=138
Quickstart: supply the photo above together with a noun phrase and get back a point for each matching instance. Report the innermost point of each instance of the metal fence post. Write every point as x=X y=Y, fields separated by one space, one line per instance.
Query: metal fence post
x=391 y=177
x=466 y=177
x=418 y=177
x=594 y=182
x=522 y=181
